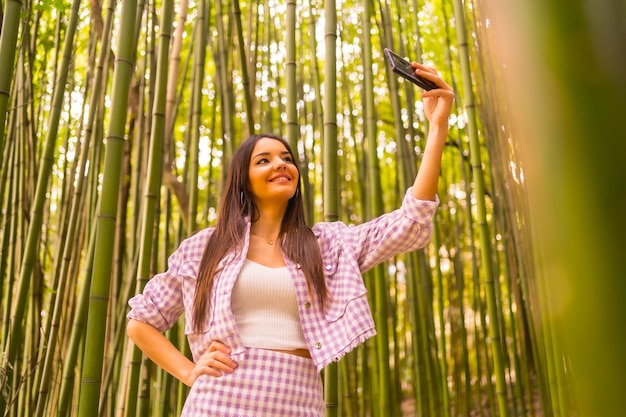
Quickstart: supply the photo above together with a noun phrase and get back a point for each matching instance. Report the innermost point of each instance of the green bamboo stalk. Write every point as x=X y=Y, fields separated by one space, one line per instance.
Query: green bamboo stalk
x=8 y=216
x=413 y=313
x=252 y=39
x=60 y=300
x=464 y=367
x=191 y=115
x=91 y=135
x=138 y=123
x=316 y=119
x=168 y=404
x=510 y=208
x=506 y=264
x=161 y=375
x=15 y=229
x=196 y=121
x=193 y=135
x=8 y=47
x=517 y=367
x=443 y=360
x=247 y=90
x=526 y=351
x=265 y=39
x=460 y=175
x=23 y=405
x=330 y=186
x=135 y=168
x=534 y=309
x=305 y=117
x=348 y=404
x=153 y=185
x=172 y=81
x=94 y=341
x=383 y=397
x=482 y=329
x=483 y=227
x=394 y=307
x=59 y=306
x=369 y=113
x=414 y=50
x=423 y=360
x=117 y=354
x=292 y=132
x=550 y=355
x=317 y=105
x=424 y=322
x=385 y=405
x=479 y=327
x=98 y=148
x=369 y=363
x=155 y=164
x=381 y=303
x=73 y=348
x=173 y=102
x=225 y=84
x=457 y=307
x=363 y=371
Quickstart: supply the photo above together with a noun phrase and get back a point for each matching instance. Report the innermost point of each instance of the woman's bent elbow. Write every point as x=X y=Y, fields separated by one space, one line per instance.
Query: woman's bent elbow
x=133 y=327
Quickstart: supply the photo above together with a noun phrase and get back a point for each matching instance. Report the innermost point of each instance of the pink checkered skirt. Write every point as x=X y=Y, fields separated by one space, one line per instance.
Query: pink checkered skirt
x=265 y=383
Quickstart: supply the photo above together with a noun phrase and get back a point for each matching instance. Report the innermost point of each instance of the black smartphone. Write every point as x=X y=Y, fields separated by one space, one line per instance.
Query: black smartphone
x=403 y=67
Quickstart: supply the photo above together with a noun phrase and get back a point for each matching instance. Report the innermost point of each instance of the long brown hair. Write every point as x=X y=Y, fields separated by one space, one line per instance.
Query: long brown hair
x=236 y=209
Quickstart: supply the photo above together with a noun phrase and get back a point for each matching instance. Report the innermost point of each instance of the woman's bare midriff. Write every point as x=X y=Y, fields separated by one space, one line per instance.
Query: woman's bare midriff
x=304 y=353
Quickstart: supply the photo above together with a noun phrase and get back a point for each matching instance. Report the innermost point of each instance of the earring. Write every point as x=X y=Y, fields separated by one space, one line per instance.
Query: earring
x=296 y=194
x=242 y=199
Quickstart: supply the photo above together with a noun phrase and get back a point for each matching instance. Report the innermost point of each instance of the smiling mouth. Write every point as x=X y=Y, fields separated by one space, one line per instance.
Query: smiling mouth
x=280 y=179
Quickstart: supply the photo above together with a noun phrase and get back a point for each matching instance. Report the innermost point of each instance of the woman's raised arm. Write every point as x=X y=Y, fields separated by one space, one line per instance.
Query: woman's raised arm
x=437 y=108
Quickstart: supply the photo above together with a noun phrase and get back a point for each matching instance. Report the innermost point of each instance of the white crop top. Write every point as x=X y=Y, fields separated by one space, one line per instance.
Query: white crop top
x=265 y=308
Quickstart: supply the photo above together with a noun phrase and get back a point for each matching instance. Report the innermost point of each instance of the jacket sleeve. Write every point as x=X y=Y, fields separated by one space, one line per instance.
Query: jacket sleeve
x=164 y=297
x=403 y=230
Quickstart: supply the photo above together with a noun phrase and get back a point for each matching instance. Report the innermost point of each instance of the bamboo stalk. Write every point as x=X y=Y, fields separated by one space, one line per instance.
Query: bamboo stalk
x=247 y=91
x=292 y=133
x=483 y=228
x=330 y=193
x=94 y=340
x=154 y=176
x=8 y=41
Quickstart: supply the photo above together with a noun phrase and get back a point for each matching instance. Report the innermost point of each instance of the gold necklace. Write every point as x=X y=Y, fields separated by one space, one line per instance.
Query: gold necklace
x=269 y=241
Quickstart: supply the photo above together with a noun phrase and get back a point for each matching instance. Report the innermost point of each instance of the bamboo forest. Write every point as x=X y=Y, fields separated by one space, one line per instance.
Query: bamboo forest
x=117 y=119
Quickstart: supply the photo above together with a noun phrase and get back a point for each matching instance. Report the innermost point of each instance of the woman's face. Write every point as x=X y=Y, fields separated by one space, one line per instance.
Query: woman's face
x=272 y=176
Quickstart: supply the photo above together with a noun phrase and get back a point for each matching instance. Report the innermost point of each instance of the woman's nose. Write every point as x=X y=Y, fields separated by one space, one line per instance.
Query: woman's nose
x=280 y=164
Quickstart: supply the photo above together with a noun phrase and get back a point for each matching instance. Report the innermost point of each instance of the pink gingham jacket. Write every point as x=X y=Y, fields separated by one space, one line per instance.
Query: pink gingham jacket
x=346 y=251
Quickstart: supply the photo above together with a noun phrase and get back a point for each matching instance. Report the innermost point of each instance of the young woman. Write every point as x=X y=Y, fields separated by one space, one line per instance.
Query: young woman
x=269 y=301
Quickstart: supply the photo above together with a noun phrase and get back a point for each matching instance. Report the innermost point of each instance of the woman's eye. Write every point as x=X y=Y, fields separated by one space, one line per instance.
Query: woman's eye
x=288 y=159
x=262 y=161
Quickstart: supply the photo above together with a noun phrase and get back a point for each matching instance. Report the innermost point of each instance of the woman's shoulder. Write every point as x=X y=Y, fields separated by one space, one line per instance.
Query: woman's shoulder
x=329 y=229
x=196 y=242
x=202 y=234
